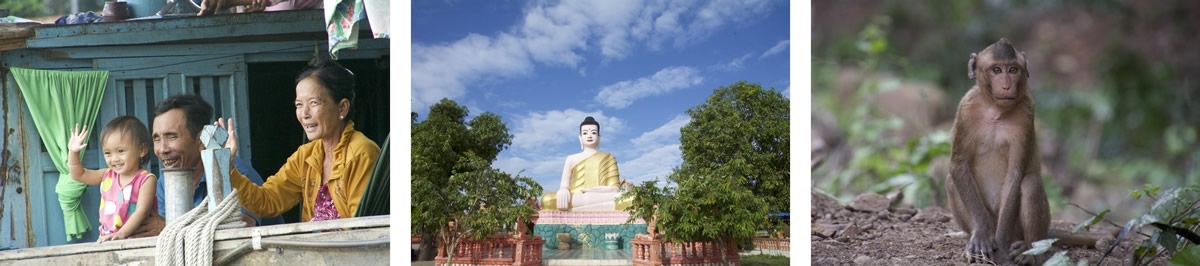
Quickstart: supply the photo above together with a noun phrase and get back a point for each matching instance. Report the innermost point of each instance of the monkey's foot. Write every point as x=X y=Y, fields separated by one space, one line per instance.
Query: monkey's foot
x=981 y=250
x=1020 y=247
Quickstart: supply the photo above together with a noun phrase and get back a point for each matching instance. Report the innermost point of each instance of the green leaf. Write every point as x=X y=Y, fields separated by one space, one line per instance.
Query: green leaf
x=1191 y=220
x=1040 y=247
x=1059 y=259
x=1178 y=231
x=1090 y=222
x=1145 y=251
x=1166 y=239
x=1187 y=256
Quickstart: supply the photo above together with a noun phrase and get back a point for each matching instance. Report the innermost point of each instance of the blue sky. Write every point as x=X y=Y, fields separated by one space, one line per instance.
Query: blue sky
x=635 y=66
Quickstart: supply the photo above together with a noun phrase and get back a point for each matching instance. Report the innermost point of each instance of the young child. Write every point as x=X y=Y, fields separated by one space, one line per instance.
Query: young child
x=124 y=184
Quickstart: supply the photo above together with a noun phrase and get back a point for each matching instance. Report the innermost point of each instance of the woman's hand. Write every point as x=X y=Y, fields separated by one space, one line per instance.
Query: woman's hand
x=231 y=142
x=78 y=136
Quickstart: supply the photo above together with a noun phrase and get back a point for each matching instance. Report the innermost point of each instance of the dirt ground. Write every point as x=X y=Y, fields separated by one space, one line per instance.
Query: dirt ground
x=867 y=232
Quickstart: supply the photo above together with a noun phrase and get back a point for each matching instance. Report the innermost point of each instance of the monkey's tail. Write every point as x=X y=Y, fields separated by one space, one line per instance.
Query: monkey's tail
x=1081 y=239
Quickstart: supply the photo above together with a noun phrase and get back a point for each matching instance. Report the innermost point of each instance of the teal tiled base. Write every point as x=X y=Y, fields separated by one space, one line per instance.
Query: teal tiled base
x=588 y=236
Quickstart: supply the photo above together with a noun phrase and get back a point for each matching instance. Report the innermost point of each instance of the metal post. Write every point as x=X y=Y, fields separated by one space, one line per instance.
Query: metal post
x=177 y=184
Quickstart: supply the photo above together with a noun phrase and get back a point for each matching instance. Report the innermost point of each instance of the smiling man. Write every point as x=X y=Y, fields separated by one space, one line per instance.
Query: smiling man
x=177 y=124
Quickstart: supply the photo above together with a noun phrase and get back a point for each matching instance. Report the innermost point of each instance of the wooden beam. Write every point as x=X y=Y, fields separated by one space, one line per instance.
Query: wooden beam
x=150 y=31
x=120 y=51
x=376 y=222
x=367 y=255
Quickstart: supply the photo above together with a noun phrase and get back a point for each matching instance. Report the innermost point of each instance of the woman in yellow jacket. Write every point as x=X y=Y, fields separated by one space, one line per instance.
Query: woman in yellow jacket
x=330 y=172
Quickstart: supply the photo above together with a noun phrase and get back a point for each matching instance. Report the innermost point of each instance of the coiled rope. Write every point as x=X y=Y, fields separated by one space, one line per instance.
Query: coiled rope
x=189 y=239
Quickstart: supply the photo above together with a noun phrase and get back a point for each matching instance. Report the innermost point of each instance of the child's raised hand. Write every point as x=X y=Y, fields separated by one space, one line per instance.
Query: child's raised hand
x=78 y=136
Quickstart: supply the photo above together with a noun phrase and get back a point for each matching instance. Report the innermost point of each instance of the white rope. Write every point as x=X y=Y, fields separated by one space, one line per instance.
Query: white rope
x=189 y=239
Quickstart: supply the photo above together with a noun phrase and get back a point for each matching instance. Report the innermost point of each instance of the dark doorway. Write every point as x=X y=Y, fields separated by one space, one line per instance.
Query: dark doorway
x=274 y=132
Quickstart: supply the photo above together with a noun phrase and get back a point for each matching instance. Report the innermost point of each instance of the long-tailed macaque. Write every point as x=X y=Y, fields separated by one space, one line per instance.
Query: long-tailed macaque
x=995 y=185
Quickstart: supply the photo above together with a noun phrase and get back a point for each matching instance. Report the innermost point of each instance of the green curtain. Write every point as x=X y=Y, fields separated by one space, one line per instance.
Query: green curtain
x=58 y=100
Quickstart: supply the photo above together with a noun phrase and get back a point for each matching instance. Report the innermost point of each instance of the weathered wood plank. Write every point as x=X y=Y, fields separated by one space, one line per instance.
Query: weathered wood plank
x=12 y=36
x=201 y=49
x=221 y=235
x=177 y=29
x=371 y=255
x=17 y=30
x=32 y=58
x=169 y=64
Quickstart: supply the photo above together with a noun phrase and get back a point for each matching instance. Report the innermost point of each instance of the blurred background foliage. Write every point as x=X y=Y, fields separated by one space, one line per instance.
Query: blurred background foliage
x=31 y=9
x=1114 y=83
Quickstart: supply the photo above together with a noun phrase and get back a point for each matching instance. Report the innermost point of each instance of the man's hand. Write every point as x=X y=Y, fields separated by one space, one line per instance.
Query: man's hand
x=120 y=234
x=250 y=222
x=209 y=7
x=231 y=143
x=152 y=226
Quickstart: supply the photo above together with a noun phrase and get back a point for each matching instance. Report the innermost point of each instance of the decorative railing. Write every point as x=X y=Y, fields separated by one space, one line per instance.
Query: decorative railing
x=772 y=244
x=654 y=252
x=501 y=249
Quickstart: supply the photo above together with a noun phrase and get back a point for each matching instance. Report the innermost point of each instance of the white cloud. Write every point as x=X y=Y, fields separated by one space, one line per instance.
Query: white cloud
x=551 y=128
x=778 y=48
x=622 y=94
x=787 y=93
x=561 y=34
x=667 y=133
x=716 y=14
x=443 y=71
x=540 y=167
x=657 y=162
x=735 y=64
x=658 y=152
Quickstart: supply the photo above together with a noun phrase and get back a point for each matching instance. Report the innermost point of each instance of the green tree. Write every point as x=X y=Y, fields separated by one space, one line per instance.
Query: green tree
x=647 y=197
x=453 y=182
x=24 y=8
x=710 y=206
x=734 y=171
x=741 y=132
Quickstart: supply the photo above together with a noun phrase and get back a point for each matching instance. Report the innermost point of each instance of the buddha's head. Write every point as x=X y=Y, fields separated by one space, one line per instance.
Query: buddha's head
x=589 y=133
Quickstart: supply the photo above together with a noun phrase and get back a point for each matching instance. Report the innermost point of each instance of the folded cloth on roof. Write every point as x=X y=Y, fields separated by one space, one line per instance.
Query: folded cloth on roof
x=79 y=18
x=341 y=23
x=58 y=100
x=378 y=14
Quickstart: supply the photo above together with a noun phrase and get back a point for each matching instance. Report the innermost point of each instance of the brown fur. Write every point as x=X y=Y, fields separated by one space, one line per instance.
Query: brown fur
x=995 y=186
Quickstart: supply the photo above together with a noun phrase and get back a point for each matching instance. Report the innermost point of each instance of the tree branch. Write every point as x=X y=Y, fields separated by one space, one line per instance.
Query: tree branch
x=1105 y=220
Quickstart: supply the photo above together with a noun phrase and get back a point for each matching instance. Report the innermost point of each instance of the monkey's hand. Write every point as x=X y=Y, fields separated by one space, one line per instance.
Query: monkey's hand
x=982 y=248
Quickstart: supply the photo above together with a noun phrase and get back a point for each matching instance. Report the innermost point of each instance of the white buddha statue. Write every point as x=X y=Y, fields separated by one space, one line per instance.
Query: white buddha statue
x=590 y=179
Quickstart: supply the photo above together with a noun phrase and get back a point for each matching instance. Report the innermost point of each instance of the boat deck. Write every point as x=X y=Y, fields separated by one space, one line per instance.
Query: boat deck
x=141 y=251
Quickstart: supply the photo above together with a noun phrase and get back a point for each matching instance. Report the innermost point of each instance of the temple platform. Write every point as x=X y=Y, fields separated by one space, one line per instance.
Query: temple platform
x=587 y=229
x=587 y=257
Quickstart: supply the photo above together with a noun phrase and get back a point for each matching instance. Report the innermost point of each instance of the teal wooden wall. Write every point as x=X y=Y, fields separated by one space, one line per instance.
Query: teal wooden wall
x=220 y=82
x=148 y=61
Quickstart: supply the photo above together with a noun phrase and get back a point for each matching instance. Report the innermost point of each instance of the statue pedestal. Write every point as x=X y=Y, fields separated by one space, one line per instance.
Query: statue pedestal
x=587 y=229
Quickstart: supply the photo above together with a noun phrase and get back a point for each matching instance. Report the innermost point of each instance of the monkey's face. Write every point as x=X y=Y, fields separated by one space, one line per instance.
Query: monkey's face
x=1001 y=72
x=1005 y=81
